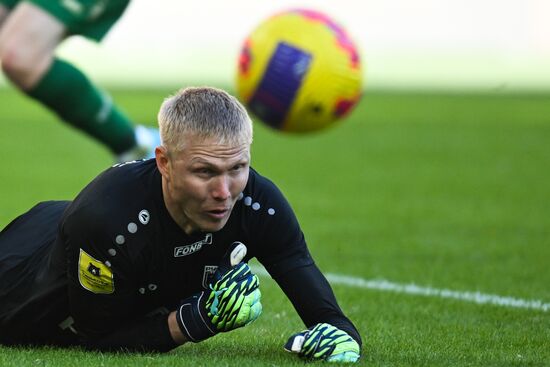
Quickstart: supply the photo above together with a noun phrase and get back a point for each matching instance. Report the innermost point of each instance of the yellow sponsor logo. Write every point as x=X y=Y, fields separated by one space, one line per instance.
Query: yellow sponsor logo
x=93 y=275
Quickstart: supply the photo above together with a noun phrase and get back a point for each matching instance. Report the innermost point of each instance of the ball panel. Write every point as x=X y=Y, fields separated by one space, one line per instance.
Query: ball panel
x=289 y=91
x=281 y=80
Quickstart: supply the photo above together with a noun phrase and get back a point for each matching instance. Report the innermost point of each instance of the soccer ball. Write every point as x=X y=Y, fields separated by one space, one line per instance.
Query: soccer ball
x=299 y=71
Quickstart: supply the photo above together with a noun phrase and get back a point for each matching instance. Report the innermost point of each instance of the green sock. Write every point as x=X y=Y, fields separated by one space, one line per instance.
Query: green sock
x=70 y=94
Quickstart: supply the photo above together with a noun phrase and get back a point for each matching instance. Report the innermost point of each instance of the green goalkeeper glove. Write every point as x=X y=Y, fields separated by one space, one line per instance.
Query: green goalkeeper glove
x=233 y=300
x=324 y=342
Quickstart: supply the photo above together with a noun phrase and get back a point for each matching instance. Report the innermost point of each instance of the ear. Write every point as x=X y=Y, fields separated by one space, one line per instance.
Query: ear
x=163 y=162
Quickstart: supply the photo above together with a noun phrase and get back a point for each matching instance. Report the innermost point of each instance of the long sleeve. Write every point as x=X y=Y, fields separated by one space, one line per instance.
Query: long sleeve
x=313 y=298
x=141 y=335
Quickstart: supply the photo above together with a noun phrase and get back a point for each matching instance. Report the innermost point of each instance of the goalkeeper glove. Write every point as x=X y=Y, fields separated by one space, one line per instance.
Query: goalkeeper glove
x=326 y=342
x=233 y=300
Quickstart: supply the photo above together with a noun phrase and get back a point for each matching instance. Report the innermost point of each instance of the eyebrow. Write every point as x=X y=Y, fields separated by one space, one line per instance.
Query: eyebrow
x=201 y=160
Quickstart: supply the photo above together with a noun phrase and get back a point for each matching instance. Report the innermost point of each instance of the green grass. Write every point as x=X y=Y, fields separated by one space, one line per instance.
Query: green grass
x=443 y=190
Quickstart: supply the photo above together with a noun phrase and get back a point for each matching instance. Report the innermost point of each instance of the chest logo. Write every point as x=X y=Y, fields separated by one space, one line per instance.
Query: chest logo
x=144 y=216
x=181 y=251
x=208 y=274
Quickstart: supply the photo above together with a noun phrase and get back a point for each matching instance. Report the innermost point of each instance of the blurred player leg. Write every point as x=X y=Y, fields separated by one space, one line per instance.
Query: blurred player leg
x=3 y=14
x=28 y=39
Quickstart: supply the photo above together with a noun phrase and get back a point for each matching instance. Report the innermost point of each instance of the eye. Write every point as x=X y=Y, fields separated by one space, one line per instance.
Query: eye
x=238 y=167
x=203 y=171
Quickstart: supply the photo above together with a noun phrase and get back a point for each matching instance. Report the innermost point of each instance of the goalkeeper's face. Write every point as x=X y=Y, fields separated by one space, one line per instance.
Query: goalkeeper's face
x=202 y=182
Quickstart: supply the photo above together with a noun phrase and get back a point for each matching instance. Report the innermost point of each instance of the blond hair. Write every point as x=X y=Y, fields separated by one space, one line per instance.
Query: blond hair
x=203 y=112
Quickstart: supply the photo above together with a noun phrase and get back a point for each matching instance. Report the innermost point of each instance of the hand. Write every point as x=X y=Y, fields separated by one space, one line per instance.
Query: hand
x=324 y=342
x=233 y=300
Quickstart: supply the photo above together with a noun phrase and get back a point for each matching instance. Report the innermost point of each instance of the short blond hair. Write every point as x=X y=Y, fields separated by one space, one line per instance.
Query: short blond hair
x=203 y=112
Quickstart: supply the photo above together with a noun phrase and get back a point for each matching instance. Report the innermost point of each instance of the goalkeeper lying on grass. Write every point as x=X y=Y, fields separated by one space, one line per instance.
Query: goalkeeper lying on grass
x=150 y=256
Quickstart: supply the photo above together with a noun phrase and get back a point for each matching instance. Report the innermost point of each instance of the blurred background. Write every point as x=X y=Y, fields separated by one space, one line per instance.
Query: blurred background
x=439 y=177
x=443 y=44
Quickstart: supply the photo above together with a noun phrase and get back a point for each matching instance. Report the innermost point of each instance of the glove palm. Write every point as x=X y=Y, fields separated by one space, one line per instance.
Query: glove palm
x=324 y=342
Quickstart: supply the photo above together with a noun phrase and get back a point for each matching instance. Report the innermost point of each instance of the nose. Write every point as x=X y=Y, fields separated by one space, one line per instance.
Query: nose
x=220 y=188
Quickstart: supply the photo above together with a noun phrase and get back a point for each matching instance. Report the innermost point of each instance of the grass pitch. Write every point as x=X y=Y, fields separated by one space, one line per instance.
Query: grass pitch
x=443 y=190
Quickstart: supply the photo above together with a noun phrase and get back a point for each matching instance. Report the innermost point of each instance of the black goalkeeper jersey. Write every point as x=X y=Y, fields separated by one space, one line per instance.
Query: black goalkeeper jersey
x=117 y=261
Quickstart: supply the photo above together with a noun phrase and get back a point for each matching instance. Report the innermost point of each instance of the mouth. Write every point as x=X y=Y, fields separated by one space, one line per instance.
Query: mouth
x=218 y=213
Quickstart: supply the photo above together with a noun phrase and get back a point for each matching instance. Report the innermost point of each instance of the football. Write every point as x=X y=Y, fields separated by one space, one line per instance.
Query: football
x=299 y=71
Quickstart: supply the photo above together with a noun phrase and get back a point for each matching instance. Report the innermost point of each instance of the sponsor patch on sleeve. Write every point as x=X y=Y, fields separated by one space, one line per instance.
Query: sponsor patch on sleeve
x=93 y=275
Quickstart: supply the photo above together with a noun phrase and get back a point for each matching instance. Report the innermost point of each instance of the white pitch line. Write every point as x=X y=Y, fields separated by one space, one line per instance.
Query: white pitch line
x=411 y=288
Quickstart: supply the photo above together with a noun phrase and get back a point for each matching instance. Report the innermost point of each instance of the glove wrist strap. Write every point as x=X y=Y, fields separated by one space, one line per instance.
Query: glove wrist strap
x=192 y=319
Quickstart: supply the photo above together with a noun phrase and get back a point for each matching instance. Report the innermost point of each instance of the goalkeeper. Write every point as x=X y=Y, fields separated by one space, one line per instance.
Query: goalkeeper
x=150 y=254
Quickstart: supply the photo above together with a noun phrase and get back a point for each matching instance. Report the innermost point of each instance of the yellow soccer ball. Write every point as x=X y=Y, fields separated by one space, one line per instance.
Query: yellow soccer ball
x=299 y=71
